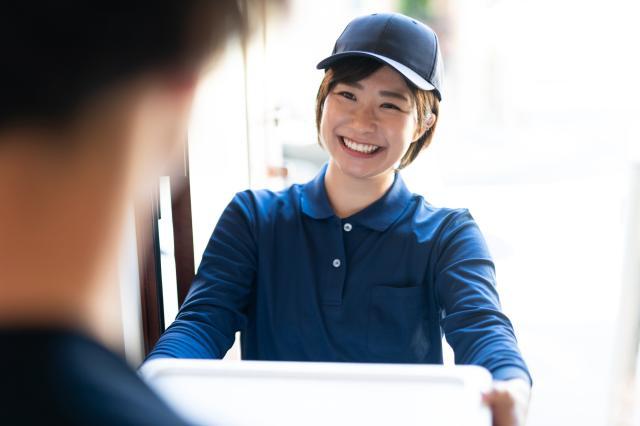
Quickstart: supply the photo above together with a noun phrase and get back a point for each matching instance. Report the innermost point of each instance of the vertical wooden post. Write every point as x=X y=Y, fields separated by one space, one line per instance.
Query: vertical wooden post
x=182 y=228
x=147 y=213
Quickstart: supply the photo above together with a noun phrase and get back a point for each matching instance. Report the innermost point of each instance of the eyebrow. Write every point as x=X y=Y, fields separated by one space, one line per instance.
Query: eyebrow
x=395 y=95
x=385 y=93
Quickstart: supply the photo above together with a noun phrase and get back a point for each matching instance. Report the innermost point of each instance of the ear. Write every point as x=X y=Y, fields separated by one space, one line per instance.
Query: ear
x=425 y=125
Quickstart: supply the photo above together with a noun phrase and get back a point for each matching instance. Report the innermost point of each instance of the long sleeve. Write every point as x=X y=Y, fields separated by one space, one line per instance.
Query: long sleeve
x=215 y=308
x=472 y=320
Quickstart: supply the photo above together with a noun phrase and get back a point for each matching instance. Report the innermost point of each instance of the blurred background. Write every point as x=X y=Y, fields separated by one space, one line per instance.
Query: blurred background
x=538 y=137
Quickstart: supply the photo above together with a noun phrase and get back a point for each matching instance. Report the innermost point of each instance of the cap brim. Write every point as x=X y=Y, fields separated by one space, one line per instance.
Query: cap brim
x=411 y=75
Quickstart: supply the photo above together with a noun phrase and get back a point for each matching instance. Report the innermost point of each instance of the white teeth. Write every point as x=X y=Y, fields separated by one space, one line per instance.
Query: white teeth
x=366 y=149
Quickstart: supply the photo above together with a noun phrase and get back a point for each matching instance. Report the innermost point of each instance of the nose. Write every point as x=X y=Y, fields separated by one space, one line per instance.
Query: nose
x=364 y=119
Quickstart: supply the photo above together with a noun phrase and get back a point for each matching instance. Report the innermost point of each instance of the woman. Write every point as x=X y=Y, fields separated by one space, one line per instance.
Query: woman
x=352 y=266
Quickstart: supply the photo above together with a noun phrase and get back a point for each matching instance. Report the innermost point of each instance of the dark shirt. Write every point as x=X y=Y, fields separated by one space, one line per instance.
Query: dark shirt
x=54 y=377
x=383 y=285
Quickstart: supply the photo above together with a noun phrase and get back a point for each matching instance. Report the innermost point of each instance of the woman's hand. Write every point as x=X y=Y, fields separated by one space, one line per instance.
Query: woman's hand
x=509 y=401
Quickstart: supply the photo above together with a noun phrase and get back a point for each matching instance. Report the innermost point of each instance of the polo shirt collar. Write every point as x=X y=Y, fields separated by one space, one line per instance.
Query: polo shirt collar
x=378 y=216
x=315 y=202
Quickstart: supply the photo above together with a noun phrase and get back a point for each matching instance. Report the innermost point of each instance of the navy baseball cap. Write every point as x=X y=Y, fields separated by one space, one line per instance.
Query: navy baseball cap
x=405 y=44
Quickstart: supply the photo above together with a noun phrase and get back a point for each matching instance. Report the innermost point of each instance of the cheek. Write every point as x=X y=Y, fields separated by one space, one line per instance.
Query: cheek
x=401 y=131
x=327 y=120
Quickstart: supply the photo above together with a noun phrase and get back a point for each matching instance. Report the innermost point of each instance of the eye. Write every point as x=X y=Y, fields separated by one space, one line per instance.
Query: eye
x=347 y=95
x=390 y=106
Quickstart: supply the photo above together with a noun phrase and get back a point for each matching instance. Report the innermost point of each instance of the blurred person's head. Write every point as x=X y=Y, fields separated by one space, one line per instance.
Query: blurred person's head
x=378 y=103
x=94 y=98
x=64 y=60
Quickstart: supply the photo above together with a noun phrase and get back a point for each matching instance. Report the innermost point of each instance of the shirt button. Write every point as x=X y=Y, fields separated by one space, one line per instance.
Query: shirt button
x=336 y=263
x=347 y=227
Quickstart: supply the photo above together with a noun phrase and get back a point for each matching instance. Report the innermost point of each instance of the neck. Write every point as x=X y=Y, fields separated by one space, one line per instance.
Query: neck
x=349 y=195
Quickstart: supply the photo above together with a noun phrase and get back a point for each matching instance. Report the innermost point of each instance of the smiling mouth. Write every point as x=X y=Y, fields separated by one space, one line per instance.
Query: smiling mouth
x=359 y=147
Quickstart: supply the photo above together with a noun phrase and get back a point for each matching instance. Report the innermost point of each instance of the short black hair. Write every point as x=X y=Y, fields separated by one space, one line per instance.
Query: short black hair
x=56 y=54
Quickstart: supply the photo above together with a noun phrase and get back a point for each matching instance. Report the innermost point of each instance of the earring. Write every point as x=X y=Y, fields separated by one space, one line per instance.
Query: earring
x=427 y=119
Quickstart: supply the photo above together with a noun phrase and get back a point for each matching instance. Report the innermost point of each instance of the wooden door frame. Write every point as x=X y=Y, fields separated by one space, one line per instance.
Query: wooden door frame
x=147 y=213
x=180 y=185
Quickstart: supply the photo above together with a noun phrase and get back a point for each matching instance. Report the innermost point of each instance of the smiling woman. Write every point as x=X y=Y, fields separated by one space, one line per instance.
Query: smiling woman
x=405 y=97
x=352 y=266
x=366 y=126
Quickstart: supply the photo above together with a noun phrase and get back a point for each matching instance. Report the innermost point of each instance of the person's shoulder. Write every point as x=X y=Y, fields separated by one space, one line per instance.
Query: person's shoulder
x=76 y=381
x=99 y=388
x=445 y=228
x=270 y=203
x=427 y=214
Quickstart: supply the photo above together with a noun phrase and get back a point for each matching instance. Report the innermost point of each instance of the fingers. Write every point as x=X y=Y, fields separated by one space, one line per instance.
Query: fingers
x=503 y=407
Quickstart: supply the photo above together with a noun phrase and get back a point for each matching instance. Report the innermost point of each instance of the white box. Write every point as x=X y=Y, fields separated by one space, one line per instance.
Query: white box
x=255 y=393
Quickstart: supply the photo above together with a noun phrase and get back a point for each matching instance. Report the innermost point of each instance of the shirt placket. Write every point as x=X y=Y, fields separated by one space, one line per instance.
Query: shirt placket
x=336 y=263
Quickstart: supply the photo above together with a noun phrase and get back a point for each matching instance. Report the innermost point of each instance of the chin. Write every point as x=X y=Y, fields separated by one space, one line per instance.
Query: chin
x=357 y=171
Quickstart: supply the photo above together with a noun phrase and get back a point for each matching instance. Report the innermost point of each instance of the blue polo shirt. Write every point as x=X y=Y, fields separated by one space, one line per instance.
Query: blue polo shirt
x=302 y=284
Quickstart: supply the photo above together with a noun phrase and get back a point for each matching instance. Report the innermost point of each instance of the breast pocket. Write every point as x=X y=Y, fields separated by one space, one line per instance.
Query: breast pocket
x=398 y=329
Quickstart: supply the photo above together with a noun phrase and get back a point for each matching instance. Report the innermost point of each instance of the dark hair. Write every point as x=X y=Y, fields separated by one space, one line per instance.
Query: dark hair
x=353 y=69
x=56 y=54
